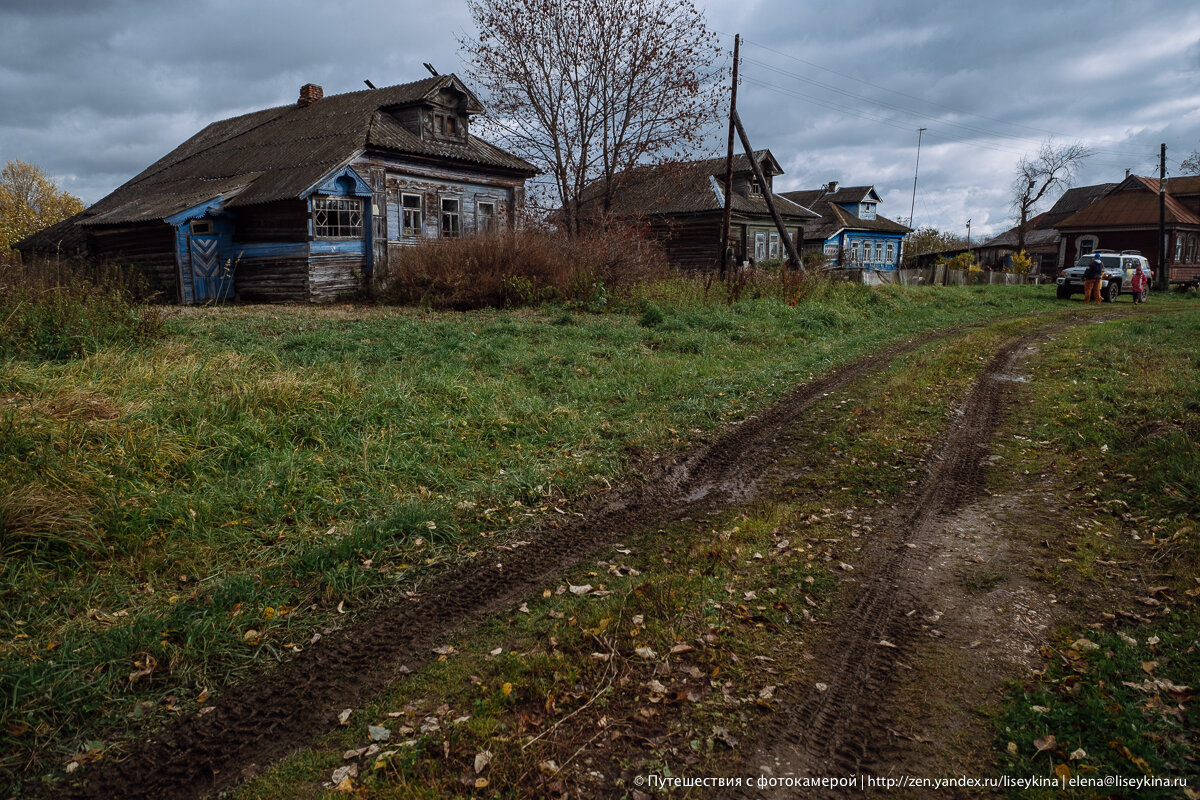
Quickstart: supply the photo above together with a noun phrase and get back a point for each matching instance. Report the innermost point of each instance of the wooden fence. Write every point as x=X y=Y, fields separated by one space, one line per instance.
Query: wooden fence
x=940 y=276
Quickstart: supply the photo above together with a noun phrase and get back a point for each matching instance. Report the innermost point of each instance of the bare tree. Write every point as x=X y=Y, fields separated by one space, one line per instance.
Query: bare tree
x=1052 y=168
x=1191 y=164
x=587 y=89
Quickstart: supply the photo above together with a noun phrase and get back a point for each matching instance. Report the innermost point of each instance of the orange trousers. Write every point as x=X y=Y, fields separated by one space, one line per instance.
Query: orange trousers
x=1091 y=291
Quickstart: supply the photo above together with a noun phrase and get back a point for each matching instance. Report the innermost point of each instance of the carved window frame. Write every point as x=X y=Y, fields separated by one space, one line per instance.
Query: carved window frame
x=337 y=217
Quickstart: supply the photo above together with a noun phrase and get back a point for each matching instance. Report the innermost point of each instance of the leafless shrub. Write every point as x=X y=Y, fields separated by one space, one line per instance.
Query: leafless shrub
x=526 y=267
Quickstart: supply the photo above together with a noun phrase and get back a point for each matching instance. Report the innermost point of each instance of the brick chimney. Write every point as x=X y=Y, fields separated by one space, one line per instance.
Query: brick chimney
x=830 y=187
x=309 y=94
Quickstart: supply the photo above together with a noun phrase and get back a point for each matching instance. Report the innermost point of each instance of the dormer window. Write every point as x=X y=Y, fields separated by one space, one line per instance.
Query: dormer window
x=867 y=211
x=448 y=126
x=755 y=187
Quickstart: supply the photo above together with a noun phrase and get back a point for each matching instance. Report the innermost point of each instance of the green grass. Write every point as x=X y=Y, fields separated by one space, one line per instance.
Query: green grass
x=1111 y=426
x=1121 y=709
x=200 y=505
x=749 y=591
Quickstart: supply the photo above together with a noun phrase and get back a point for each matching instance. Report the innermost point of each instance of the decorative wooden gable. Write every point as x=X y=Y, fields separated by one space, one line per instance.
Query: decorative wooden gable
x=344 y=182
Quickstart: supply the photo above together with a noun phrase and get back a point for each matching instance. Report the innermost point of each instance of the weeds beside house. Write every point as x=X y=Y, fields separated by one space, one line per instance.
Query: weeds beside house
x=54 y=309
x=522 y=268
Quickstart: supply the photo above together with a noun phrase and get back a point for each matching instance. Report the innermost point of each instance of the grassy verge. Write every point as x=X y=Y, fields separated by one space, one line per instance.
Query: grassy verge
x=181 y=514
x=680 y=639
x=1113 y=431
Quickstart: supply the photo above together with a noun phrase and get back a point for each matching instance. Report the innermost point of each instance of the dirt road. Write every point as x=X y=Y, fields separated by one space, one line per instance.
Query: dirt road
x=852 y=725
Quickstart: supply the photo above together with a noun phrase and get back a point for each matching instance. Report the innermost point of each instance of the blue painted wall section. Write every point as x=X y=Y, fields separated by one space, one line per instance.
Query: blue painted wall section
x=204 y=257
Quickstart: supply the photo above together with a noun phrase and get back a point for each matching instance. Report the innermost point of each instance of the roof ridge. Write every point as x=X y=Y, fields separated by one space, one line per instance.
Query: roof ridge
x=282 y=109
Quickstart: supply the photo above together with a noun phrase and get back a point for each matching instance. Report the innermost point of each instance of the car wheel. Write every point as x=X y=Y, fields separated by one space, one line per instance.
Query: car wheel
x=1064 y=293
x=1111 y=292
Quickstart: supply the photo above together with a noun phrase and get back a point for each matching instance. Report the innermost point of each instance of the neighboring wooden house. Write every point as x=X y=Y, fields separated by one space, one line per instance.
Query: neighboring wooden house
x=1127 y=218
x=681 y=205
x=850 y=232
x=1043 y=243
x=306 y=201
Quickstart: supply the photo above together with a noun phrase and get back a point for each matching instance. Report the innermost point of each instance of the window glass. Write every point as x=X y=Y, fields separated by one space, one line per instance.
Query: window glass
x=1178 y=248
x=485 y=216
x=410 y=207
x=338 y=217
x=451 y=222
x=855 y=253
x=773 y=246
x=891 y=252
x=760 y=245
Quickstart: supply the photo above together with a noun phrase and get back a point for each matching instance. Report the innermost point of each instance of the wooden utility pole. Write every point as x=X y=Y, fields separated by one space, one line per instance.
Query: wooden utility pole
x=728 y=194
x=793 y=256
x=916 y=169
x=1164 y=279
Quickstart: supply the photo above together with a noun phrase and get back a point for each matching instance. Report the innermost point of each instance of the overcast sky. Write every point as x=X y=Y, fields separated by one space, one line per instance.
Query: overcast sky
x=94 y=91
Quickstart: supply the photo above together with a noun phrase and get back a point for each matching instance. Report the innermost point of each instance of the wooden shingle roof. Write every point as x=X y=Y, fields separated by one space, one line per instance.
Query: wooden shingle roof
x=281 y=153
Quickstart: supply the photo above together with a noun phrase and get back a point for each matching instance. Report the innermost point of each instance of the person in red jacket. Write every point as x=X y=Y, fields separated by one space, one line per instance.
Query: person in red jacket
x=1139 y=284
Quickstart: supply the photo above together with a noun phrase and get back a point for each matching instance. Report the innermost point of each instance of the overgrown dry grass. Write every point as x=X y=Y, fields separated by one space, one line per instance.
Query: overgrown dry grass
x=522 y=268
x=57 y=309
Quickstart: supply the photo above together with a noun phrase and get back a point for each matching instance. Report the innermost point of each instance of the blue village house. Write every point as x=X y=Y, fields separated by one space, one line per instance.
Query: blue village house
x=304 y=202
x=850 y=232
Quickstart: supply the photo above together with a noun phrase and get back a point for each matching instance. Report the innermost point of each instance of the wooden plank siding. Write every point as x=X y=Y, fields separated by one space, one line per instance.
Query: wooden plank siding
x=150 y=247
x=690 y=245
x=695 y=244
x=433 y=182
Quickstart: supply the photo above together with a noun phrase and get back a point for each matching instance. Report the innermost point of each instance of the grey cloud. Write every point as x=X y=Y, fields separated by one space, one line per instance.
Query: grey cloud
x=93 y=92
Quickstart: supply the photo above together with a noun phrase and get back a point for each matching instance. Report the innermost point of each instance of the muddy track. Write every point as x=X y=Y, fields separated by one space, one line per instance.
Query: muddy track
x=841 y=731
x=252 y=725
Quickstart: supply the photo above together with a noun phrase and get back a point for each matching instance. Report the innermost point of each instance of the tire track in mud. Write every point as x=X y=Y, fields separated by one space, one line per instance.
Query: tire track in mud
x=836 y=733
x=251 y=725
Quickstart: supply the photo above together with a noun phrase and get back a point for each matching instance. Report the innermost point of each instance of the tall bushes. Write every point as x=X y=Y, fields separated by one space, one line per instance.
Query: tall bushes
x=57 y=309
x=520 y=268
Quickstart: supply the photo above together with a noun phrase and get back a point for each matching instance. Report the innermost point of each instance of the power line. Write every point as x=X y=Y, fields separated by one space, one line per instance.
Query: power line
x=1100 y=160
x=908 y=110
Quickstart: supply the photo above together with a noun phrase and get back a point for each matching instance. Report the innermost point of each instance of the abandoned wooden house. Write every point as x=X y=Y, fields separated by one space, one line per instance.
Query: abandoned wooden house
x=306 y=201
x=681 y=204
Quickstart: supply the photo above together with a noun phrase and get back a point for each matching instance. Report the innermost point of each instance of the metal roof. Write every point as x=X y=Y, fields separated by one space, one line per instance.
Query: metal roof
x=1133 y=203
x=834 y=218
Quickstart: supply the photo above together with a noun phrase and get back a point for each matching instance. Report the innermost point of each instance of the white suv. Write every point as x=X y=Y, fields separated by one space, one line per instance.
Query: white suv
x=1115 y=280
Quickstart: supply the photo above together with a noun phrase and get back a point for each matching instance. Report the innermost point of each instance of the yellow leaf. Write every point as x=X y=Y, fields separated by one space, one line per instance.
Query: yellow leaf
x=481 y=783
x=506 y=689
x=1063 y=772
x=268 y=613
